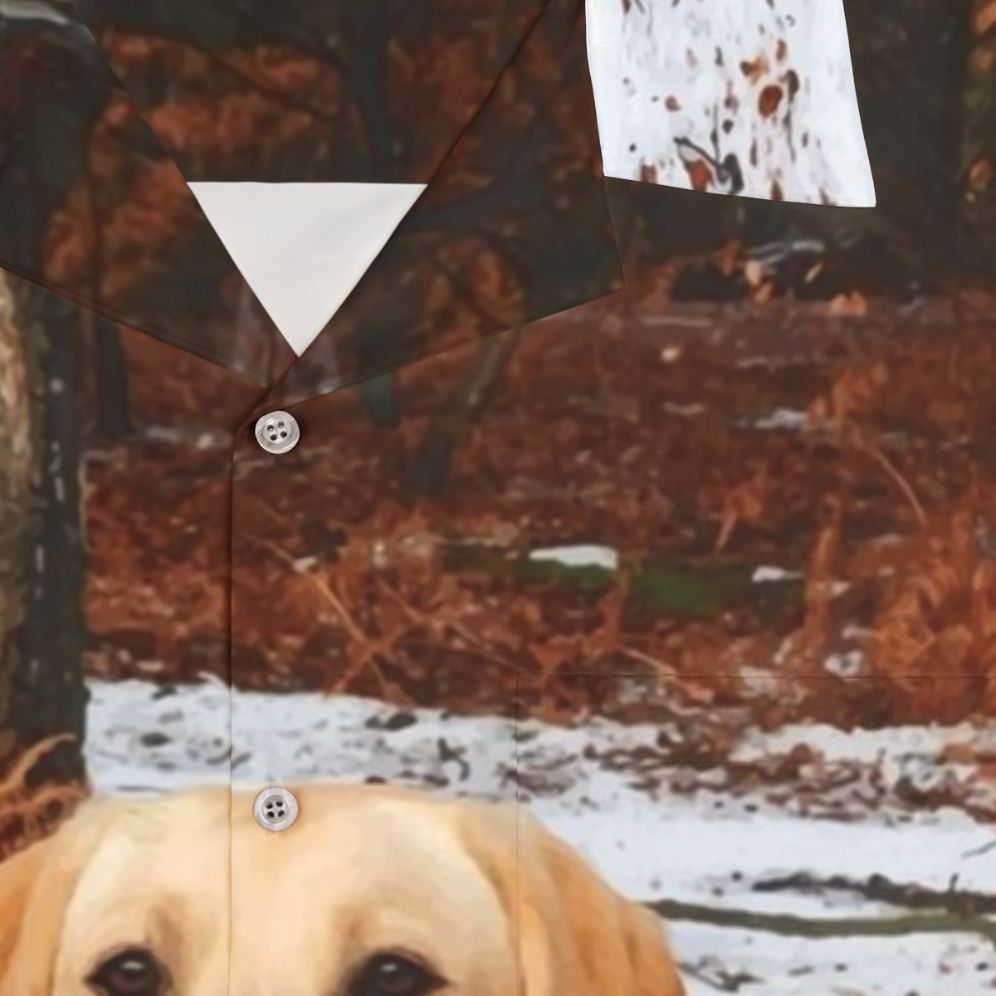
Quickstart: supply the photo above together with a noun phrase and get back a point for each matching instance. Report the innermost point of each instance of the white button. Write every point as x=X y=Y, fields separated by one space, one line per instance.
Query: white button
x=277 y=432
x=274 y=808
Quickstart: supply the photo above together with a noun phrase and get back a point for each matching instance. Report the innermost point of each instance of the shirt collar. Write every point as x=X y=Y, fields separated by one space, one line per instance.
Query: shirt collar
x=513 y=225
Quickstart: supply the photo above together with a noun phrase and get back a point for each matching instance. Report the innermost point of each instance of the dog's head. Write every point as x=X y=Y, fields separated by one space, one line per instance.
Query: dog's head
x=374 y=892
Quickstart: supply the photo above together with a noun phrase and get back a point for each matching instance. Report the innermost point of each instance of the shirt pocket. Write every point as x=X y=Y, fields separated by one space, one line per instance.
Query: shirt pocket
x=751 y=99
x=786 y=836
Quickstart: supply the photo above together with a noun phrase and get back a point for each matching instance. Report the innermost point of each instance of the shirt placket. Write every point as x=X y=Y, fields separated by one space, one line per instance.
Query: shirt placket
x=512 y=227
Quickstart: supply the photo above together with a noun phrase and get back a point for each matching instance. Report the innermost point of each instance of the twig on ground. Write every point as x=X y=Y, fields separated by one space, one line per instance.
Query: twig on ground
x=881 y=889
x=791 y=925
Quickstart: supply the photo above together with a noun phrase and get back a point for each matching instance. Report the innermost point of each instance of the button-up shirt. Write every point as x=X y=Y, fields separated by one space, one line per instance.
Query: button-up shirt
x=488 y=502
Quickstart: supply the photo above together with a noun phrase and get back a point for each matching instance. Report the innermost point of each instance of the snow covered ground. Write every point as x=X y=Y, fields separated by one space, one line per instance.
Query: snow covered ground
x=657 y=829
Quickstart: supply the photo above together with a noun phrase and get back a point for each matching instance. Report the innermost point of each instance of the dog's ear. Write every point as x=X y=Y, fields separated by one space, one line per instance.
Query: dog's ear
x=575 y=934
x=35 y=887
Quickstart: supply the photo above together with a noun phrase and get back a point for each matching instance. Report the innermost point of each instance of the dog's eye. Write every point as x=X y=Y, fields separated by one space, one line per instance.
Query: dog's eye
x=393 y=975
x=134 y=972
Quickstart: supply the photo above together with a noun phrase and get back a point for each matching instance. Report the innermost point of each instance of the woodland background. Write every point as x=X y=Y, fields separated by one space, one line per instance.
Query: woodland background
x=828 y=497
x=827 y=373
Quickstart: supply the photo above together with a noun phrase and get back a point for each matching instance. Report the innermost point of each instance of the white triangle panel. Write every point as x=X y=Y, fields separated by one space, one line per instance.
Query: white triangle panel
x=302 y=247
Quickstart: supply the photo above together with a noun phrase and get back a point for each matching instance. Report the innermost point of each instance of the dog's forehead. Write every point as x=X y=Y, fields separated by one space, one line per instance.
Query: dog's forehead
x=348 y=848
x=151 y=866
x=353 y=838
x=152 y=846
x=367 y=871
x=345 y=829
x=381 y=866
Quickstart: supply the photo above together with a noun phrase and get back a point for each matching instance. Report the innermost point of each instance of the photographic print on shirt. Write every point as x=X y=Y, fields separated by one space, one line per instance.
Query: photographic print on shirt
x=642 y=648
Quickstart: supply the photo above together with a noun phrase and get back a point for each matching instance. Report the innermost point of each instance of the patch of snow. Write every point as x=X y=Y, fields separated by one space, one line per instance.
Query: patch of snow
x=724 y=960
x=845 y=665
x=869 y=746
x=784 y=419
x=582 y=555
x=768 y=574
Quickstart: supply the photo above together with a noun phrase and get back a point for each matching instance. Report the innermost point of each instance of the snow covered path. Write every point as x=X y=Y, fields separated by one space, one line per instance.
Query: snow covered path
x=654 y=834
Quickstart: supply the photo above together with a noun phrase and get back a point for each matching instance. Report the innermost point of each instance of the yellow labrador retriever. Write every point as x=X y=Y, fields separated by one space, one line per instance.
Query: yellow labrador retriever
x=373 y=892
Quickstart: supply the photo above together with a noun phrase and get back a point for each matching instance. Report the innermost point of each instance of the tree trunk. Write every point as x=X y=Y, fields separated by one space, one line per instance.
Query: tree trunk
x=42 y=697
x=978 y=144
x=18 y=466
x=113 y=411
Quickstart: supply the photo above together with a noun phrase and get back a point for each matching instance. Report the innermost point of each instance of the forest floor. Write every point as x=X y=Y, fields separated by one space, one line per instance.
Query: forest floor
x=826 y=510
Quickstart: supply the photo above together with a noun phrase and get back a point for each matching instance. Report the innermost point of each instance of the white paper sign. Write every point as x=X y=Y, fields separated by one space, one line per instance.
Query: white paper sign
x=750 y=97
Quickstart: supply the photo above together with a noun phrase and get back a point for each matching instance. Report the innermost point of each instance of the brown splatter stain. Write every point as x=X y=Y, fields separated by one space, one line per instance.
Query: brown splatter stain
x=770 y=100
x=672 y=103
x=699 y=174
x=777 y=194
x=648 y=173
x=754 y=69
